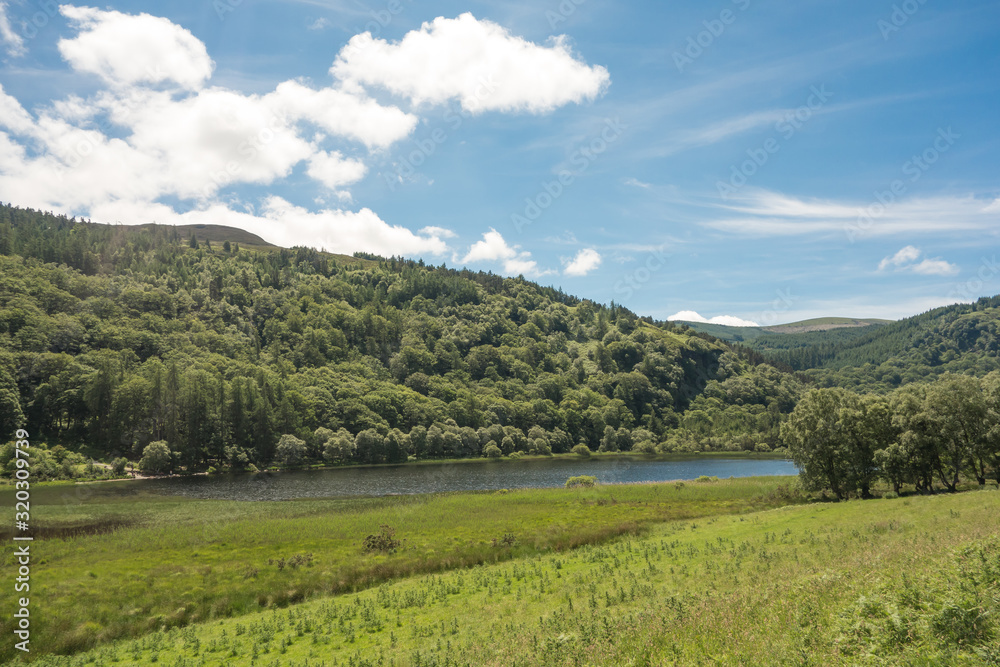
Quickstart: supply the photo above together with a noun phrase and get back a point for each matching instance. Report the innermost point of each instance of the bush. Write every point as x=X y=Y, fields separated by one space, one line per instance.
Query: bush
x=645 y=447
x=491 y=451
x=384 y=541
x=290 y=449
x=514 y=455
x=156 y=457
x=582 y=450
x=118 y=465
x=581 y=480
x=507 y=540
x=706 y=478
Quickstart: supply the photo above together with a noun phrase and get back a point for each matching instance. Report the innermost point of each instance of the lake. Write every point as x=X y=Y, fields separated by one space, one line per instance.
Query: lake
x=461 y=476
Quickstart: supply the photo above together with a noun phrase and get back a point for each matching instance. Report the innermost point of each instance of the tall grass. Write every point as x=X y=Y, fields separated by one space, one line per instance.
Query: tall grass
x=173 y=562
x=888 y=582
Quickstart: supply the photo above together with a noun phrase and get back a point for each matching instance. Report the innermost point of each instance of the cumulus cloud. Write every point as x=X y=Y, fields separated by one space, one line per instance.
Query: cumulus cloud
x=159 y=142
x=905 y=256
x=13 y=41
x=727 y=320
x=493 y=248
x=906 y=260
x=125 y=49
x=282 y=223
x=352 y=115
x=476 y=62
x=158 y=130
x=585 y=261
x=334 y=171
x=935 y=267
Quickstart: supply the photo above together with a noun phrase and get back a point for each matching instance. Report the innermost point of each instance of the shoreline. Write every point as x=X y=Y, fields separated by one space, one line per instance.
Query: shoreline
x=672 y=456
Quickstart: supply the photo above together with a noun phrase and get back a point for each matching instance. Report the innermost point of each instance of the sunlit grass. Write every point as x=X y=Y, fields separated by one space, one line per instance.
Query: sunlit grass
x=885 y=582
x=182 y=561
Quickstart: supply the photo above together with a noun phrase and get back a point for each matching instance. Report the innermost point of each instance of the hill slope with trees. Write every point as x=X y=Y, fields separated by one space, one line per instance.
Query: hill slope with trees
x=120 y=337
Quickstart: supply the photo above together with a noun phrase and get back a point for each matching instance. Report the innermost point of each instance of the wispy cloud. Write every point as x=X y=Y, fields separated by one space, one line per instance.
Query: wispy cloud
x=635 y=182
x=13 y=41
x=766 y=213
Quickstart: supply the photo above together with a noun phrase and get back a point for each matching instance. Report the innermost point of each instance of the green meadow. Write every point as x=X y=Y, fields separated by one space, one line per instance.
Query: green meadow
x=109 y=566
x=904 y=581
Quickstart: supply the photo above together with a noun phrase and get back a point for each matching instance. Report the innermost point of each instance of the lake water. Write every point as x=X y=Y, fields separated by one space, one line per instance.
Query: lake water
x=462 y=476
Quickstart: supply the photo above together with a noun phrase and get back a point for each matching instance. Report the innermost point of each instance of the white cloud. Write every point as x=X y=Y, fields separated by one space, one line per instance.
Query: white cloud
x=352 y=115
x=727 y=320
x=158 y=131
x=284 y=224
x=438 y=231
x=14 y=42
x=493 y=248
x=935 y=267
x=334 y=171
x=906 y=258
x=764 y=213
x=125 y=49
x=585 y=261
x=635 y=182
x=319 y=24
x=906 y=255
x=478 y=63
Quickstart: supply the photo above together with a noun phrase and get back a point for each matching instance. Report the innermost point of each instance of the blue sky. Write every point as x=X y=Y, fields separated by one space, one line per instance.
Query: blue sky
x=740 y=159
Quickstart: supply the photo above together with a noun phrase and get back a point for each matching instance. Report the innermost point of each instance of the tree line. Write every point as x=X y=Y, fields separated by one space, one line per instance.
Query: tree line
x=928 y=435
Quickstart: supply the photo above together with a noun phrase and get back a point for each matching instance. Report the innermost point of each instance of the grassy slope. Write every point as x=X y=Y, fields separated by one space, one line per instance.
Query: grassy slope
x=180 y=561
x=749 y=334
x=814 y=584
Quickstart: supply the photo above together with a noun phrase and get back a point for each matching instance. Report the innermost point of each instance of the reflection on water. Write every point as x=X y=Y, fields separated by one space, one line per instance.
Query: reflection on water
x=462 y=476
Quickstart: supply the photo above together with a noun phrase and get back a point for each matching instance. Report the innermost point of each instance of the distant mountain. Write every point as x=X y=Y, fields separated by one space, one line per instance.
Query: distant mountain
x=823 y=324
x=876 y=354
x=745 y=334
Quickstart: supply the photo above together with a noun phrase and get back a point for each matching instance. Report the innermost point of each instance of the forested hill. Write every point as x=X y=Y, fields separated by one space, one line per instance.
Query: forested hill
x=963 y=338
x=121 y=336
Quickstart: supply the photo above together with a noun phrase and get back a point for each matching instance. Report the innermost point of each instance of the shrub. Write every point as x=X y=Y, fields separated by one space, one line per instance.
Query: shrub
x=515 y=455
x=958 y=624
x=491 y=451
x=118 y=465
x=155 y=457
x=290 y=449
x=506 y=540
x=706 y=478
x=581 y=480
x=384 y=541
x=582 y=450
x=644 y=447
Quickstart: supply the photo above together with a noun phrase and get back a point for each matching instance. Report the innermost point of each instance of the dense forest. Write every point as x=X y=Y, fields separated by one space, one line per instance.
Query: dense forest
x=962 y=338
x=193 y=352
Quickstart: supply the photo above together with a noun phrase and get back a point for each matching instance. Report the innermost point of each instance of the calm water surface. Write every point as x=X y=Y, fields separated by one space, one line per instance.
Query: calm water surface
x=468 y=476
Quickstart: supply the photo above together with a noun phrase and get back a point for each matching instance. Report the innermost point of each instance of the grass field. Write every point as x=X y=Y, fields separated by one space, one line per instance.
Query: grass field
x=908 y=581
x=126 y=566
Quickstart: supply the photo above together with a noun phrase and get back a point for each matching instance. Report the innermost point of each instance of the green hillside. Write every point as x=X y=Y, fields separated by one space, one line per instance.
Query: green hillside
x=962 y=338
x=115 y=337
x=750 y=334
